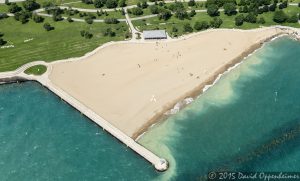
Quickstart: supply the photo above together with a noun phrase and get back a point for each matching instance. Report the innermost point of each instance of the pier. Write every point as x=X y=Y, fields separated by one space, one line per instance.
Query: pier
x=160 y=164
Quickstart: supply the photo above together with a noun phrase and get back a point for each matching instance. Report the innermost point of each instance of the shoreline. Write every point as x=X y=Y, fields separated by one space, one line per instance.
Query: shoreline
x=114 y=130
x=98 y=61
x=200 y=89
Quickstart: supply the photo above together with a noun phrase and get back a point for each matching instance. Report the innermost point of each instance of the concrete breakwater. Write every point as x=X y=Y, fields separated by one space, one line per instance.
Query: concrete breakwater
x=160 y=164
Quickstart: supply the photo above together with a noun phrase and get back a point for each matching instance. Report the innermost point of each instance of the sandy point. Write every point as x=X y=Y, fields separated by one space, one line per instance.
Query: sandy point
x=132 y=84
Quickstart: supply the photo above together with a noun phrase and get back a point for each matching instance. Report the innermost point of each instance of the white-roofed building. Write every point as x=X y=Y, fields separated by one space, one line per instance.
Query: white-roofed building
x=154 y=34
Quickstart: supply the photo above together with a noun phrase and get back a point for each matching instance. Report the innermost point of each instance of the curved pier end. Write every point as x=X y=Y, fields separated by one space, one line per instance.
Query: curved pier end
x=162 y=165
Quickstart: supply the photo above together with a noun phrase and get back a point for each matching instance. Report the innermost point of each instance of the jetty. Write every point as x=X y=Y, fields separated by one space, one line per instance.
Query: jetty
x=160 y=164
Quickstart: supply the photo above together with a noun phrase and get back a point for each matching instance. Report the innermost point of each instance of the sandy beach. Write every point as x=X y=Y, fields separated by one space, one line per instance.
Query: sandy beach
x=132 y=84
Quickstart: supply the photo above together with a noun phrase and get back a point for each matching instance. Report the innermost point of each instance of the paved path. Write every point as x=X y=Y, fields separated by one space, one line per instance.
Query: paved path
x=134 y=32
x=159 y=163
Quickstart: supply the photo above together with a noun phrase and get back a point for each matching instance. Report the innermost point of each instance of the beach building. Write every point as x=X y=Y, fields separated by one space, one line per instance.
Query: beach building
x=154 y=34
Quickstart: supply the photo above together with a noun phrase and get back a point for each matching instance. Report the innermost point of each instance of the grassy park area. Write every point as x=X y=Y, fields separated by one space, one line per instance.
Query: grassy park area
x=28 y=37
x=36 y=70
x=31 y=42
x=175 y=26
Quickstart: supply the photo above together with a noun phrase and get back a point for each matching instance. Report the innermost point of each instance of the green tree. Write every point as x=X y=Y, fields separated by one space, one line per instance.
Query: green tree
x=191 y=3
x=261 y=20
x=98 y=3
x=201 y=25
x=13 y=8
x=187 y=28
x=213 y=10
x=239 y=20
x=164 y=14
x=216 y=22
x=31 y=5
x=154 y=9
x=37 y=19
x=192 y=13
x=122 y=3
x=272 y=7
x=251 y=18
x=181 y=14
x=7 y=2
x=111 y=3
x=48 y=27
x=230 y=9
x=279 y=17
x=137 y=11
x=144 y=4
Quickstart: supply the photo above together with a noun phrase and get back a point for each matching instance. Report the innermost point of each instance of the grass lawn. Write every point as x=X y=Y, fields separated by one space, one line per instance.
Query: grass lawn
x=61 y=43
x=146 y=12
x=36 y=70
x=228 y=22
x=110 y=14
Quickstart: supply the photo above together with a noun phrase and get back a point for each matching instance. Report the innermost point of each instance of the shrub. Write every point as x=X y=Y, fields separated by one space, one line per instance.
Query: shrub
x=261 y=20
x=57 y=17
x=37 y=19
x=69 y=19
x=109 y=32
x=89 y=20
x=293 y=18
x=87 y=1
x=2 y=42
x=3 y=15
x=111 y=21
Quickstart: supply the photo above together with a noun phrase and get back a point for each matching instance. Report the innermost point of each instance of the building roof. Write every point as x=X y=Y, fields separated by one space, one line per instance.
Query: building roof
x=154 y=34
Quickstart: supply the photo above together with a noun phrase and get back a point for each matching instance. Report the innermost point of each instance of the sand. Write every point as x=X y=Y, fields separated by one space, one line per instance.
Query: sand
x=132 y=84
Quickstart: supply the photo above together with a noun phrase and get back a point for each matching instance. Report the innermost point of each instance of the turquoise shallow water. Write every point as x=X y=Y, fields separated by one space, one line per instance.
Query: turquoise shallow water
x=248 y=121
x=43 y=138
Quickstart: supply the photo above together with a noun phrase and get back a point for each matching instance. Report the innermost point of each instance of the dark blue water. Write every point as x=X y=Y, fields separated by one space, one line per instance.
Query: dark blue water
x=248 y=121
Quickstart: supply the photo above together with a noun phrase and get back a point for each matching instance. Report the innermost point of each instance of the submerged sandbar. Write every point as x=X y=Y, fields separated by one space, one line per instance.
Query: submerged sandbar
x=131 y=84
